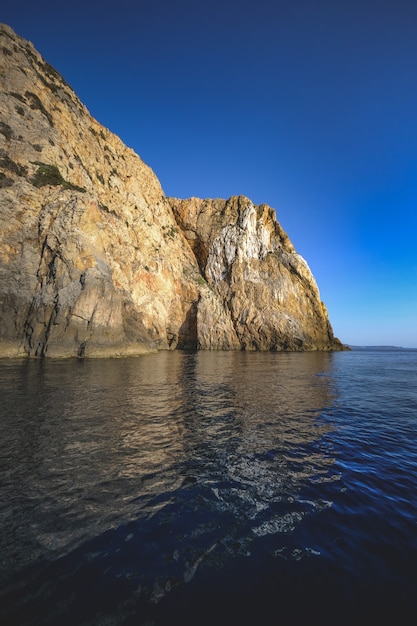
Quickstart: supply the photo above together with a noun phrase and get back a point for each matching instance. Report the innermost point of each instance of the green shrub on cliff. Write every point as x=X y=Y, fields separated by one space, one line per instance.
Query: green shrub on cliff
x=48 y=174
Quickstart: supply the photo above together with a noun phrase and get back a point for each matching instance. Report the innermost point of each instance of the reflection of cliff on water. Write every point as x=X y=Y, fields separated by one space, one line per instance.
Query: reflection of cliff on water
x=93 y=442
x=173 y=462
x=84 y=442
x=254 y=427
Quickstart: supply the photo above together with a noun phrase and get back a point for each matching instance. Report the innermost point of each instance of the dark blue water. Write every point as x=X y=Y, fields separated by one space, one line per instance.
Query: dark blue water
x=209 y=489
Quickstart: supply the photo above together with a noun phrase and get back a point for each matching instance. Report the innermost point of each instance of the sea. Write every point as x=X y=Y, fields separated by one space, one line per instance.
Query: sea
x=209 y=489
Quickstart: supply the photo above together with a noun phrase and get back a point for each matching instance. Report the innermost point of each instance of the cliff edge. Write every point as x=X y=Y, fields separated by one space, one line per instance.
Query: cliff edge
x=95 y=260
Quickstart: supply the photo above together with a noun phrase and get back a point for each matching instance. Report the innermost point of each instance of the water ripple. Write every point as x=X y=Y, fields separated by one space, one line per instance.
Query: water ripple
x=134 y=490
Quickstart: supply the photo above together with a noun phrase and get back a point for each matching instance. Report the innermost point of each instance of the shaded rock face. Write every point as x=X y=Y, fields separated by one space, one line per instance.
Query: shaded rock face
x=95 y=260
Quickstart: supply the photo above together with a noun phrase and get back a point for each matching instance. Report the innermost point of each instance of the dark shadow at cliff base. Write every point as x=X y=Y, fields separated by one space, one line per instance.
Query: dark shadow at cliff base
x=187 y=337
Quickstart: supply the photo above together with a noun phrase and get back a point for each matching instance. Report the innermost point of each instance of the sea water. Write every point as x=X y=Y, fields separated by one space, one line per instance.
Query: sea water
x=209 y=488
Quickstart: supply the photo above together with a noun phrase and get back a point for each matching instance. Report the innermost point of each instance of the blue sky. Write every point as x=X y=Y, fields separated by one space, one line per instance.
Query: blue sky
x=309 y=106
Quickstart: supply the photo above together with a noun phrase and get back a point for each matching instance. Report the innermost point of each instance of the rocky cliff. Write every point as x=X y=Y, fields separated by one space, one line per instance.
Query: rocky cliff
x=95 y=260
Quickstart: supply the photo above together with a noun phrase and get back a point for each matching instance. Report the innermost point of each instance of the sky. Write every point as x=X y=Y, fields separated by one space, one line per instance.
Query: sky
x=309 y=106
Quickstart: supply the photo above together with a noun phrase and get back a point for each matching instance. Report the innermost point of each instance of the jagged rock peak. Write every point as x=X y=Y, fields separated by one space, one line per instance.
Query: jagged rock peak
x=248 y=260
x=95 y=260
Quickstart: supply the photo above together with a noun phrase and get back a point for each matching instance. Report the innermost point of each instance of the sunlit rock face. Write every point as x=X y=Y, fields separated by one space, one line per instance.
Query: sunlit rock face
x=95 y=260
x=264 y=287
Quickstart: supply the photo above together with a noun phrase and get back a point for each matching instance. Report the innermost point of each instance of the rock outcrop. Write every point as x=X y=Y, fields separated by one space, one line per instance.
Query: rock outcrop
x=264 y=289
x=95 y=260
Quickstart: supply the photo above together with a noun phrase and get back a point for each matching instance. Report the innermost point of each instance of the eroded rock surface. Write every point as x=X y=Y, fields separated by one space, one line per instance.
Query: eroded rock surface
x=95 y=260
x=265 y=288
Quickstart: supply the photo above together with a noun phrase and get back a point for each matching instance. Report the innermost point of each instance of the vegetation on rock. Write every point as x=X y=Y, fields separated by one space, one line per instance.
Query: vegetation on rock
x=48 y=174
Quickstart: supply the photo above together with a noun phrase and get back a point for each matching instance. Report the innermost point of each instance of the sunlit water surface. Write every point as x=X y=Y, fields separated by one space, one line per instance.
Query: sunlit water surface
x=209 y=488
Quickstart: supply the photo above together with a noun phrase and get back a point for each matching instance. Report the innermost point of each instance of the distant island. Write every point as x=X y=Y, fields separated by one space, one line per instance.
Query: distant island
x=382 y=348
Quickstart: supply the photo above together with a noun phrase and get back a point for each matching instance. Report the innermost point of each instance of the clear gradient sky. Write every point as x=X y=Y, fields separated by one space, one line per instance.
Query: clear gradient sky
x=309 y=106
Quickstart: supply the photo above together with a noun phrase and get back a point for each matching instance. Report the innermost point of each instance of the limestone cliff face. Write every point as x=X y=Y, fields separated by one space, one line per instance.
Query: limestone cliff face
x=95 y=260
x=265 y=288
x=91 y=258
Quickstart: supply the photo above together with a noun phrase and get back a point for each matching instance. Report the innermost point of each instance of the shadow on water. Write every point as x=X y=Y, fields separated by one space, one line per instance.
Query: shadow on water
x=170 y=489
